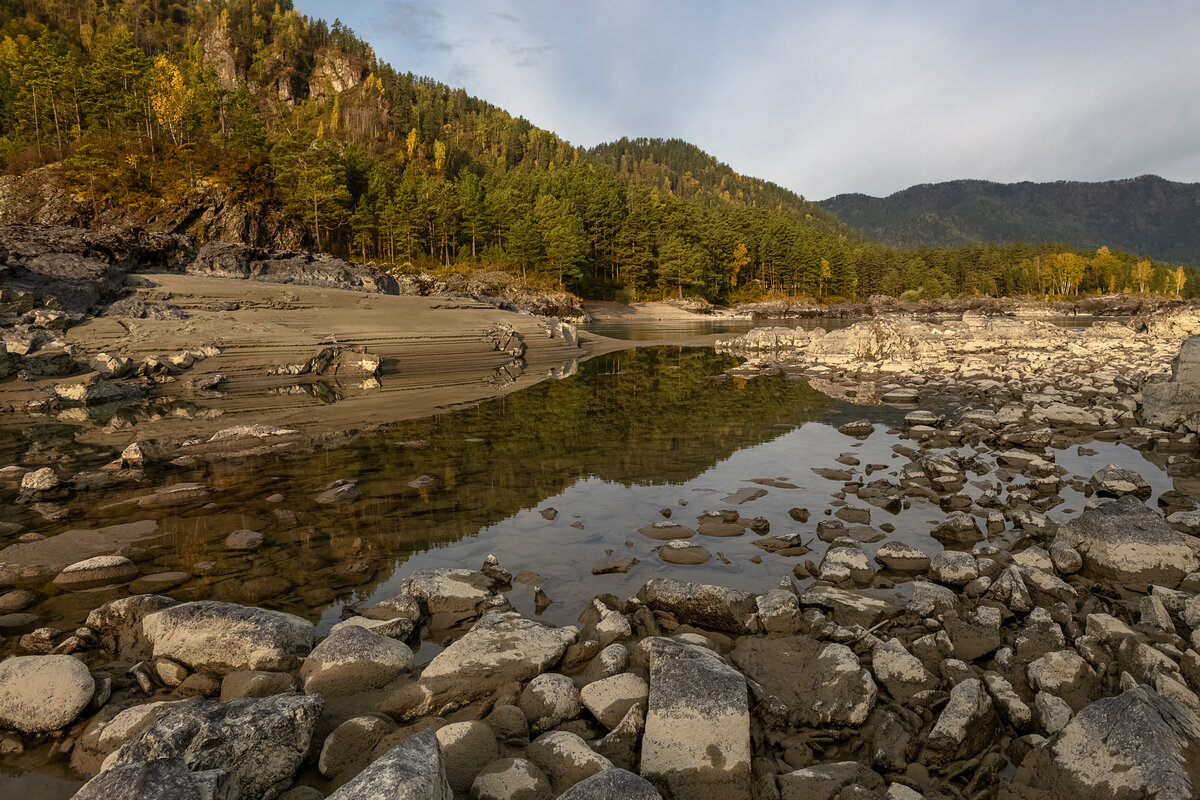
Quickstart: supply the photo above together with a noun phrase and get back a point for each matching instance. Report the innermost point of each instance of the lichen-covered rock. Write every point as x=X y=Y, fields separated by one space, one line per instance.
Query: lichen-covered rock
x=215 y=637
x=412 y=770
x=697 y=738
x=611 y=698
x=820 y=683
x=119 y=624
x=511 y=779
x=160 y=778
x=97 y=571
x=467 y=747
x=450 y=595
x=352 y=660
x=1117 y=481
x=705 y=605
x=565 y=758
x=39 y=694
x=261 y=741
x=612 y=784
x=900 y=672
x=1137 y=744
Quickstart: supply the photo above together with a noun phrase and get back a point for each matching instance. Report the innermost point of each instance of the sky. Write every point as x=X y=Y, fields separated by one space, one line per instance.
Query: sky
x=829 y=97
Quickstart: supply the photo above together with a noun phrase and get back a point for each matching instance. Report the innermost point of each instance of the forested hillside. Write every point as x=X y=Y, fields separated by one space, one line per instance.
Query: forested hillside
x=1148 y=215
x=150 y=105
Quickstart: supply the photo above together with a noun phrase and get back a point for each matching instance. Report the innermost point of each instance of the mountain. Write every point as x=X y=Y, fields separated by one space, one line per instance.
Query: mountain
x=1147 y=215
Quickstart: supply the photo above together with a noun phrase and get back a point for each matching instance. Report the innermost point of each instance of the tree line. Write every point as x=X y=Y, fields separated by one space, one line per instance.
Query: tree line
x=147 y=100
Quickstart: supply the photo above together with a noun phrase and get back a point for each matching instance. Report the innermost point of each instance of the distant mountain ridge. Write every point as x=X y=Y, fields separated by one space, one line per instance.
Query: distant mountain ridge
x=1147 y=215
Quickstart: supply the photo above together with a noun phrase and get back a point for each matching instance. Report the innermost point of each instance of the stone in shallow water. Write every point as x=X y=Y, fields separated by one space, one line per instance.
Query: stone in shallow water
x=1116 y=481
x=705 y=605
x=243 y=540
x=452 y=595
x=684 y=553
x=98 y=571
x=821 y=684
x=665 y=531
x=39 y=694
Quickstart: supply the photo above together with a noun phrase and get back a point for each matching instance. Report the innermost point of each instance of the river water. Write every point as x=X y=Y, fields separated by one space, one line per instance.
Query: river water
x=609 y=448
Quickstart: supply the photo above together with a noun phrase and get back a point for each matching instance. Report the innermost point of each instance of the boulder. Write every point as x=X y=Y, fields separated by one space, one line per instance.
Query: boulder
x=119 y=624
x=826 y=781
x=611 y=698
x=1117 y=481
x=704 y=605
x=697 y=738
x=901 y=557
x=1124 y=541
x=500 y=648
x=1065 y=674
x=39 y=694
x=1137 y=744
x=965 y=726
x=820 y=683
x=449 y=595
x=352 y=660
x=261 y=741
x=511 y=779
x=565 y=758
x=548 y=701
x=467 y=747
x=160 y=778
x=900 y=672
x=412 y=770
x=612 y=784
x=847 y=607
x=215 y=637
x=348 y=748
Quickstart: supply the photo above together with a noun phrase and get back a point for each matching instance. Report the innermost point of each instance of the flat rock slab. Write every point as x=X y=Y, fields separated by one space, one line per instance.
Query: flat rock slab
x=220 y=638
x=665 y=531
x=697 y=738
x=1124 y=541
x=503 y=646
x=39 y=694
x=96 y=571
x=847 y=607
x=821 y=684
x=261 y=741
x=30 y=561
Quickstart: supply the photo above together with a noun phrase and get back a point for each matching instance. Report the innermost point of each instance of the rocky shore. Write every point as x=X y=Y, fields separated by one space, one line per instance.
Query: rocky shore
x=1038 y=662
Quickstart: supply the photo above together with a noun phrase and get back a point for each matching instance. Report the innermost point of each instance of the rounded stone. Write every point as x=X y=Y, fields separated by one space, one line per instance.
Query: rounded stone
x=684 y=553
x=666 y=530
x=39 y=694
x=352 y=660
x=467 y=747
x=549 y=700
x=98 y=571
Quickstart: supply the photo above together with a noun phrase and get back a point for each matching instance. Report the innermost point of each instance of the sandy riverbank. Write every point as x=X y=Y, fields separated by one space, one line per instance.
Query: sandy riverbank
x=435 y=355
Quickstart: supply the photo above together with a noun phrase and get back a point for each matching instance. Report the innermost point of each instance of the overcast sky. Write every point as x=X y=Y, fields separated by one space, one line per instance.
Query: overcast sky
x=829 y=97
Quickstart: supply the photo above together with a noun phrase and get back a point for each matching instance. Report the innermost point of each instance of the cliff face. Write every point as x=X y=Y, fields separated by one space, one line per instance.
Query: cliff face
x=218 y=55
x=334 y=73
x=205 y=214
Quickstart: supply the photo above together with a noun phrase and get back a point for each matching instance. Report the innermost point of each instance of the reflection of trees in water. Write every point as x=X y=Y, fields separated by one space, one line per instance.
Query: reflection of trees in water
x=652 y=415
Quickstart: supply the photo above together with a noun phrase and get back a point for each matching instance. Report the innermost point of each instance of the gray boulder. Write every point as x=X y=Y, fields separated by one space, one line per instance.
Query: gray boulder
x=220 y=638
x=352 y=660
x=820 y=683
x=697 y=738
x=1137 y=744
x=1116 y=481
x=704 y=605
x=261 y=741
x=612 y=784
x=1124 y=541
x=412 y=770
x=965 y=726
x=450 y=595
x=160 y=778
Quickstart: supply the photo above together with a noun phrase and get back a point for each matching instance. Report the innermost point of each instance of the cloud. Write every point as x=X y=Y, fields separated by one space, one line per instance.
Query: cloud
x=827 y=98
